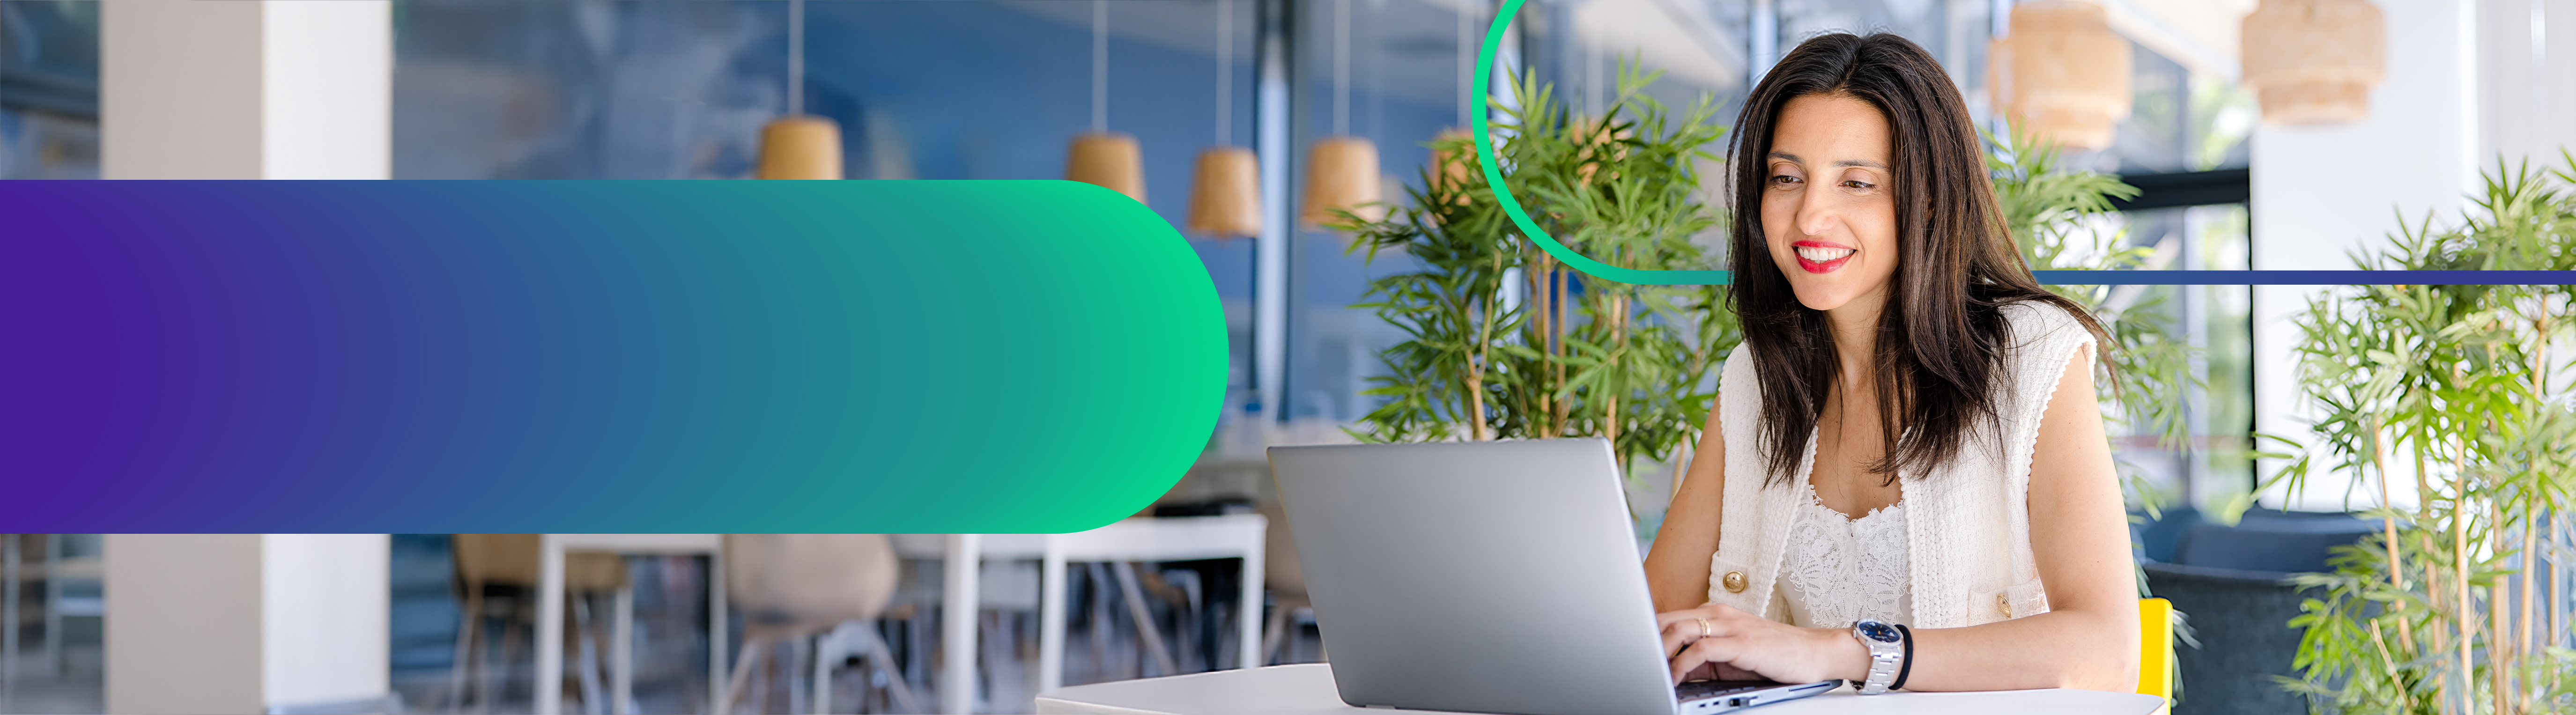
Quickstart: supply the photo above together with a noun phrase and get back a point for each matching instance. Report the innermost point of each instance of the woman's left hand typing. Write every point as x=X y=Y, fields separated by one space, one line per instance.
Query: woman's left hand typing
x=1740 y=645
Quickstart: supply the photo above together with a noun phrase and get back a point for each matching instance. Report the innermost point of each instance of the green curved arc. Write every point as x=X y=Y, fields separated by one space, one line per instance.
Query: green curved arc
x=1520 y=217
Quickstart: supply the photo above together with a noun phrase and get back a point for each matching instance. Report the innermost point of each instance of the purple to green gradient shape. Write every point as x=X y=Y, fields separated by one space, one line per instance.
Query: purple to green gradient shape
x=687 y=356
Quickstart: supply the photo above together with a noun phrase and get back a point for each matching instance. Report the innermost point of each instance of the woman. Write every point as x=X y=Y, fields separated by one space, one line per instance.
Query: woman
x=1908 y=434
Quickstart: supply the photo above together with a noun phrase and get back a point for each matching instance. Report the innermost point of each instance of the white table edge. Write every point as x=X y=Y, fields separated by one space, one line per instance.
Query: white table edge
x=1071 y=700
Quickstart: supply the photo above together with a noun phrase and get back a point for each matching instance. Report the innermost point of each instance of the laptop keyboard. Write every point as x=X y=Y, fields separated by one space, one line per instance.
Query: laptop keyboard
x=1704 y=689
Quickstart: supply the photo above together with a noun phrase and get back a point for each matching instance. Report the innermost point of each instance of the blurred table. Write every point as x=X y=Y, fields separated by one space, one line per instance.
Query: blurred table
x=1307 y=689
x=550 y=613
x=1237 y=536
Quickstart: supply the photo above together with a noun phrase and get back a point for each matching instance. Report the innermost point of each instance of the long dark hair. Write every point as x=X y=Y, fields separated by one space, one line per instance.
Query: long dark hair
x=1942 y=334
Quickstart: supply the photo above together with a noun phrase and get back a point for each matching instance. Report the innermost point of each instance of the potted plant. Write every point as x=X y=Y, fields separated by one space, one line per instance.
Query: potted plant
x=1507 y=343
x=2446 y=392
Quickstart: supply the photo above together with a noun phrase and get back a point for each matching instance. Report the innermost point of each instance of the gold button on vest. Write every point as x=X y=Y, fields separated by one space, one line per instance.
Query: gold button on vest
x=1734 y=582
x=2003 y=602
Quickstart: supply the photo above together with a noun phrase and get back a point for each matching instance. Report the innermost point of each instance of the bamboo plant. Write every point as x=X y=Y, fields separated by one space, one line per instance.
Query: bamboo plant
x=1504 y=341
x=2047 y=211
x=2453 y=394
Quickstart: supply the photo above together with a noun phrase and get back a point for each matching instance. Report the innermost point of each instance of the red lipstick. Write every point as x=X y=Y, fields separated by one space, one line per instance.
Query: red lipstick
x=1822 y=256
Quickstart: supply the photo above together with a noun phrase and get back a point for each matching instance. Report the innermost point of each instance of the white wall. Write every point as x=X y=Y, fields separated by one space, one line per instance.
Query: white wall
x=250 y=89
x=2319 y=192
x=183 y=625
x=237 y=623
x=179 y=89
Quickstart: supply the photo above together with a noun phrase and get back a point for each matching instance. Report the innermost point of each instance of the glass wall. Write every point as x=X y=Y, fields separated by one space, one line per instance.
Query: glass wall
x=49 y=90
x=591 y=89
x=1386 y=71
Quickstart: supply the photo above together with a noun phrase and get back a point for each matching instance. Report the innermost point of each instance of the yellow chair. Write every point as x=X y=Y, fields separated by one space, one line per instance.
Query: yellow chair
x=2155 y=650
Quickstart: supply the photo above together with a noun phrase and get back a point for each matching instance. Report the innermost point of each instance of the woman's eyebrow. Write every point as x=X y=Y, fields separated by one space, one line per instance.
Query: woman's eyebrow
x=1793 y=158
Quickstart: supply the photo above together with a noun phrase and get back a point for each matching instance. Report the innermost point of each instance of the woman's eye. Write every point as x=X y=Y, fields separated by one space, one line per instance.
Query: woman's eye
x=1858 y=184
x=1784 y=180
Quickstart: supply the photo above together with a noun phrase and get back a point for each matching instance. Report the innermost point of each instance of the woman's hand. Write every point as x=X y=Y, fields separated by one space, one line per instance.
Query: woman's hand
x=1740 y=645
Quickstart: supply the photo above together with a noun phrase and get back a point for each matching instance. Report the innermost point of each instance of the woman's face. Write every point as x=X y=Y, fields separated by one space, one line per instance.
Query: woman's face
x=1828 y=216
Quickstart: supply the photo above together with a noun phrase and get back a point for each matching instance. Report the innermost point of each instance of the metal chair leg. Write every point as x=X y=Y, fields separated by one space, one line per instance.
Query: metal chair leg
x=462 y=663
x=1146 y=629
x=796 y=654
x=591 y=701
x=1273 y=634
x=9 y=621
x=822 y=645
x=55 y=553
x=495 y=672
x=742 y=664
x=881 y=659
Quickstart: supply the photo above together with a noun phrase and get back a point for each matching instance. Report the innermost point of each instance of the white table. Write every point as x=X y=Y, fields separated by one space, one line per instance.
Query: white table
x=550 y=613
x=1308 y=690
x=1139 y=539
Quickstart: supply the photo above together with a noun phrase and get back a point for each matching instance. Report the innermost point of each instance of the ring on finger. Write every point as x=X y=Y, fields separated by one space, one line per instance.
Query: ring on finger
x=1703 y=627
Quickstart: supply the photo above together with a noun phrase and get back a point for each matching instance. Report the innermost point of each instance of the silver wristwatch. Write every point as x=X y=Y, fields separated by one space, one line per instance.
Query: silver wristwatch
x=1886 y=654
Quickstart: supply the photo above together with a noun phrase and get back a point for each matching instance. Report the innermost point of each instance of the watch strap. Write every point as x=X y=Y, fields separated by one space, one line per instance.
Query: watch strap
x=1907 y=666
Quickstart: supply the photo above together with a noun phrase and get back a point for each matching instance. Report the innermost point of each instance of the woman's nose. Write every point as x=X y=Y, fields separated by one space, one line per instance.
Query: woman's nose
x=1816 y=214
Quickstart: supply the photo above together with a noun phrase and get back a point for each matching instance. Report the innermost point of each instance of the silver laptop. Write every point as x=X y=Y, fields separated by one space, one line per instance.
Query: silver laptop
x=1491 y=577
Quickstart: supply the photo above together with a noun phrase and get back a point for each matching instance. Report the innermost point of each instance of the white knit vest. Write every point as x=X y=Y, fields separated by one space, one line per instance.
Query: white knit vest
x=1968 y=523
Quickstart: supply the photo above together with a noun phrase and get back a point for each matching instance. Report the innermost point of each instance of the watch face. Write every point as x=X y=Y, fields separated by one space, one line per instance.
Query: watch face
x=1877 y=631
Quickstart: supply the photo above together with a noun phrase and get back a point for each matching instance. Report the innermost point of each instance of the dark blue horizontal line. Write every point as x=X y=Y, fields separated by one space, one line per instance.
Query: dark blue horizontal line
x=2306 y=278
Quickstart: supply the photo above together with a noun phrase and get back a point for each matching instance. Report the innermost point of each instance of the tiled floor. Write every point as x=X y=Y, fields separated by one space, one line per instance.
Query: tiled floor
x=77 y=688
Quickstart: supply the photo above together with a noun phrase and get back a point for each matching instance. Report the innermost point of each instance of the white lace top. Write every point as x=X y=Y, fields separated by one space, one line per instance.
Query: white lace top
x=1954 y=552
x=1837 y=571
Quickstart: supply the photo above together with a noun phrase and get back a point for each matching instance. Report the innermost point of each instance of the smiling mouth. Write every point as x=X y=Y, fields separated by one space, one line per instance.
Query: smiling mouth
x=1823 y=259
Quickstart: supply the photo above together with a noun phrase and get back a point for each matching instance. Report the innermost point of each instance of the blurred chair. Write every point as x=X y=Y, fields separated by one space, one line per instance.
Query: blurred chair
x=2155 y=650
x=1286 y=578
x=2233 y=582
x=503 y=567
x=792 y=587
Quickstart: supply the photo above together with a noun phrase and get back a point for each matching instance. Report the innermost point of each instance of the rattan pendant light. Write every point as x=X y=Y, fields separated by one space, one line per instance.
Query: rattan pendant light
x=1341 y=170
x=1106 y=158
x=2062 y=73
x=1225 y=194
x=2314 y=61
x=798 y=146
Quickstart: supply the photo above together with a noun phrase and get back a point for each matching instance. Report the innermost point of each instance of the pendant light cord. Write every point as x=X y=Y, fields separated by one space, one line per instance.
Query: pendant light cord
x=795 y=57
x=1224 y=72
x=1099 y=66
x=1341 y=67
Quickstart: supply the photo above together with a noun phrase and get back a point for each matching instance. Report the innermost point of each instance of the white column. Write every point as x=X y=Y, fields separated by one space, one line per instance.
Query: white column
x=957 y=623
x=252 y=89
x=324 y=620
x=1271 y=138
x=329 y=102
x=241 y=622
x=2528 y=72
x=2319 y=192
